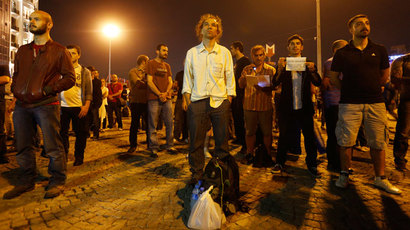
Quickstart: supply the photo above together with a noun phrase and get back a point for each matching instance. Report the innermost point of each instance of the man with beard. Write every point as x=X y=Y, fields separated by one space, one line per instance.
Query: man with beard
x=159 y=80
x=365 y=69
x=209 y=85
x=42 y=69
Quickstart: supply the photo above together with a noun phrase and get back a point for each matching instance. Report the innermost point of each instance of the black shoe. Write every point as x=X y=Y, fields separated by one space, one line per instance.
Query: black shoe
x=401 y=166
x=53 y=191
x=313 y=171
x=278 y=168
x=78 y=163
x=248 y=159
x=17 y=191
x=154 y=153
x=172 y=151
x=131 y=149
x=4 y=160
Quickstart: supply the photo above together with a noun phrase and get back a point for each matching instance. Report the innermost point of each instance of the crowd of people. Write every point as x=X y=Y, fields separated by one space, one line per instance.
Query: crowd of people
x=51 y=90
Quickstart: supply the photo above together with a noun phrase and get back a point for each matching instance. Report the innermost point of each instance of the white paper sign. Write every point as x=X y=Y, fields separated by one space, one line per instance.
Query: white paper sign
x=261 y=80
x=295 y=63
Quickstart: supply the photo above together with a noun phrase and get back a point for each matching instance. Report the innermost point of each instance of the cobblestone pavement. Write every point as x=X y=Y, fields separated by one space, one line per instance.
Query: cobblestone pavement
x=117 y=190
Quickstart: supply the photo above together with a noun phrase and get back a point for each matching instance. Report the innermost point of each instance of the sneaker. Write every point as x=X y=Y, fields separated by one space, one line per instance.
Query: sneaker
x=53 y=191
x=154 y=153
x=362 y=148
x=17 y=191
x=131 y=149
x=313 y=171
x=342 y=181
x=278 y=168
x=386 y=186
x=120 y=129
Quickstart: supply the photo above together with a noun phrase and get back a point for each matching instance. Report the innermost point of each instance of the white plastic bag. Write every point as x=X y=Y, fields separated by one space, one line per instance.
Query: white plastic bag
x=206 y=214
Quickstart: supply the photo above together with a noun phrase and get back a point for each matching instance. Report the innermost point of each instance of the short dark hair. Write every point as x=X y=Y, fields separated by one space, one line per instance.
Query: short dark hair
x=91 y=68
x=238 y=45
x=337 y=44
x=142 y=58
x=257 y=48
x=295 y=36
x=160 y=45
x=351 y=20
x=77 y=47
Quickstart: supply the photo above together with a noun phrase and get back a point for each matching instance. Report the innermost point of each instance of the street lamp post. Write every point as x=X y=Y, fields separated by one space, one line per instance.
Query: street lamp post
x=110 y=31
x=318 y=37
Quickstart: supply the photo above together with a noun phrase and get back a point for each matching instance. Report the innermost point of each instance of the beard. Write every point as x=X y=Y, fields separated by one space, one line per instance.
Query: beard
x=39 y=31
x=163 y=57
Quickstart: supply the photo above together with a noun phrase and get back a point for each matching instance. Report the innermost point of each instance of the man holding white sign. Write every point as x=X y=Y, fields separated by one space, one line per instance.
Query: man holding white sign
x=295 y=105
x=257 y=104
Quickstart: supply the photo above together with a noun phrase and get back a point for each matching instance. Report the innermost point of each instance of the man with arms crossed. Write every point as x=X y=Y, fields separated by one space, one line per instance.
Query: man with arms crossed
x=365 y=69
x=209 y=85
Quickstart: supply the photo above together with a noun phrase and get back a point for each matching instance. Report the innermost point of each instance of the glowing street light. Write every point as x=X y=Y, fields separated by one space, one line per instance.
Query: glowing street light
x=111 y=31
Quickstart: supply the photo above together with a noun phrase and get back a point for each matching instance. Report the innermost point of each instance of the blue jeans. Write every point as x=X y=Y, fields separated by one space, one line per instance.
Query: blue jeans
x=25 y=123
x=155 y=109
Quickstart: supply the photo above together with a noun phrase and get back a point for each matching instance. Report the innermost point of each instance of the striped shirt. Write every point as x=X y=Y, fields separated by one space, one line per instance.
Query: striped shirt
x=254 y=99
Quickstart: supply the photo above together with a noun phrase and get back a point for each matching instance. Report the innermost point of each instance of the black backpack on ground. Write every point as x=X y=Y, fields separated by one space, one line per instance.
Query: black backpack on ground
x=223 y=174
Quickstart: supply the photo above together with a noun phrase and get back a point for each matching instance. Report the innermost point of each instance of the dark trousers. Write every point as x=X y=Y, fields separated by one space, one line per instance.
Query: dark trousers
x=25 y=126
x=114 y=107
x=288 y=124
x=180 y=123
x=200 y=115
x=331 y=116
x=80 y=127
x=94 y=121
x=138 y=111
x=402 y=133
x=239 y=123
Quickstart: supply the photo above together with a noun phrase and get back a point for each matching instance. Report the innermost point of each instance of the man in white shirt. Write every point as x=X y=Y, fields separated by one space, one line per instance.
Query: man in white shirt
x=208 y=88
x=75 y=103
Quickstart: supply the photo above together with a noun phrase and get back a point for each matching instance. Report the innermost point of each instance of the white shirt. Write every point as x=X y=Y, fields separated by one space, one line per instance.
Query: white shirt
x=297 y=89
x=72 y=96
x=209 y=74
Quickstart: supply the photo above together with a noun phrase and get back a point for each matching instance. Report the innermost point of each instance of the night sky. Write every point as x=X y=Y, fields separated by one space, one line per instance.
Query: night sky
x=146 y=23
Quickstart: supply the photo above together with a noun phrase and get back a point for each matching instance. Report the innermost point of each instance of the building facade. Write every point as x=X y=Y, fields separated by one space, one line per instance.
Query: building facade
x=15 y=32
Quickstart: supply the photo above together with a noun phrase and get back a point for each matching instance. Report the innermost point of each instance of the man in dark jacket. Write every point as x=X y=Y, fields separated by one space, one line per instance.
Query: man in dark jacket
x=400 y=75
x=96 y=103
x=295 y=106
x=43 y=69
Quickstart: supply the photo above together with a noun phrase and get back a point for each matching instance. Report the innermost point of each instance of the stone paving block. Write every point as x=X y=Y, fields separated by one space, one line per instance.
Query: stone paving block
x=58 y=224
x=40 y=226
x=19 y=223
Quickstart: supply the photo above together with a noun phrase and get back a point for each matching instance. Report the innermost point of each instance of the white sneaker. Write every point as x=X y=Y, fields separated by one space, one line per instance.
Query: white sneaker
x=342 y=181
x=386 y=186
